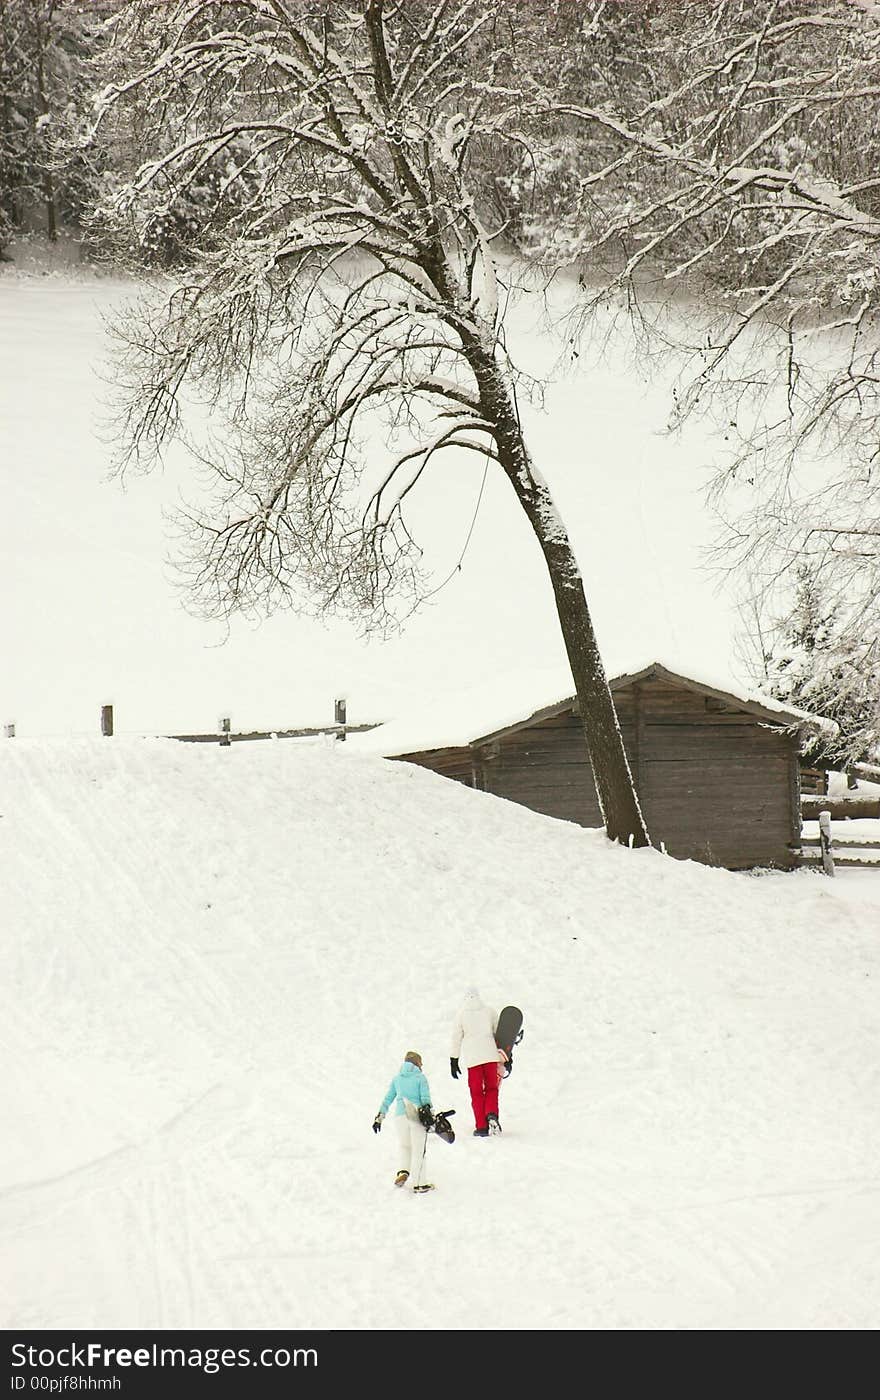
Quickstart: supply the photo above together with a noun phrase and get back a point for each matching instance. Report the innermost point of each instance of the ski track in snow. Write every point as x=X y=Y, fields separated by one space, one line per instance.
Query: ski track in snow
x=230 y=954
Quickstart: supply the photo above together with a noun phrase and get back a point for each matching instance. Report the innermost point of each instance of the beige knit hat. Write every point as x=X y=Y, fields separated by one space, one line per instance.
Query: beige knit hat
x=414 y=1058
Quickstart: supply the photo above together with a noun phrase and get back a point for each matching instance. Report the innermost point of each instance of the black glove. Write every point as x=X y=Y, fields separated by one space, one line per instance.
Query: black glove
x=377 y=1122
x=453 y=1065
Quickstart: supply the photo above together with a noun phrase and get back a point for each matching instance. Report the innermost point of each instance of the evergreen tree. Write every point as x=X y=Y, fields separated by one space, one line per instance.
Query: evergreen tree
x=48 y=72
x=819 y=665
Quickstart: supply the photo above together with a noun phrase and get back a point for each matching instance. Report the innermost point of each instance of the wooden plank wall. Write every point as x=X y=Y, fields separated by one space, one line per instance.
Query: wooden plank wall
x=545 y=768
x=716 y=786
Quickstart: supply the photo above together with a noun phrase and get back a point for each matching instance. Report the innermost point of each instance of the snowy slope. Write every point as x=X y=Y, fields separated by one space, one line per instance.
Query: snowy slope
x=215 y=959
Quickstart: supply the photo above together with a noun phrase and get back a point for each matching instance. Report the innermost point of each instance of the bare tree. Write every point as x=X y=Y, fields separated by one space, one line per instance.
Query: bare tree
x=342 y=278
x=734 y=175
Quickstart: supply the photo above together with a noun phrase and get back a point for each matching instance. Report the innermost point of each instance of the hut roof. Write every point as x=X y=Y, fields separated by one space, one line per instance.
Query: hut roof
x=478 y=716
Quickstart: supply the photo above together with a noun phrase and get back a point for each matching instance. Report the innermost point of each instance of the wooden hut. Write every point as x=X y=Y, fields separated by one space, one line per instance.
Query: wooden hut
x=717 y=773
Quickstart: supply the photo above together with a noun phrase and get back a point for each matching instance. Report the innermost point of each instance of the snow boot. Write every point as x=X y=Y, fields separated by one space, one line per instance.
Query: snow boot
x=401 y=1178
x=481 y=1132
x=492 y=1123
x=426 y=1186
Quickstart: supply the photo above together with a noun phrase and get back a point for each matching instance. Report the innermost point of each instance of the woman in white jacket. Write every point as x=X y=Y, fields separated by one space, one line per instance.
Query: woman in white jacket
x=473 y=1046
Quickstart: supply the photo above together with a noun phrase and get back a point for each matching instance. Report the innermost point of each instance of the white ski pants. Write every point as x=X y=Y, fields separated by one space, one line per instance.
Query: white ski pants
x=413 y=1140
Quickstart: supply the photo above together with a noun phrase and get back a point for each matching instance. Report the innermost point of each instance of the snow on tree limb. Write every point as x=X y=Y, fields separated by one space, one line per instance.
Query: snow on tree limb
x=341 y=292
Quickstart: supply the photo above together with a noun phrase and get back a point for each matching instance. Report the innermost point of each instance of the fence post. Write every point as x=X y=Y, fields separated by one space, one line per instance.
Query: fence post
x=107 y=720
x=339 y=716
x=225 y=725
x=9 y=731
x=825 y=842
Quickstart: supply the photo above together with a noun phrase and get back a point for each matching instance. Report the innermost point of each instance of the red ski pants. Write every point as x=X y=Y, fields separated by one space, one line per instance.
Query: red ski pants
x=483 y=1084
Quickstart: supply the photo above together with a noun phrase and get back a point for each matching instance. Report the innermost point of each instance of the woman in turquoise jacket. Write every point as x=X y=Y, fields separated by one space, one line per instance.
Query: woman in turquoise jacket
x=408 y=1092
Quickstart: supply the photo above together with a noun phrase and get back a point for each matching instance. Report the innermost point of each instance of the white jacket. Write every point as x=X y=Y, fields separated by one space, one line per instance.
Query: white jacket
x=473 y=1035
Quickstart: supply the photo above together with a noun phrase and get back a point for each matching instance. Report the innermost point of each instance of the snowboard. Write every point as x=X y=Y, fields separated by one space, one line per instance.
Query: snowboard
x=508 y=1033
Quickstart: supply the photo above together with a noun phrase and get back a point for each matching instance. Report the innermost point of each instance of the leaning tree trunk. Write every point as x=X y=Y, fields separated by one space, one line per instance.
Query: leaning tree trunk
x=611 y=771
x=618 y=801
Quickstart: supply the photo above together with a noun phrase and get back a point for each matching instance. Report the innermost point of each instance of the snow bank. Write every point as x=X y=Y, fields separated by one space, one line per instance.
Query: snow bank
x=214 y=960
x=462 y=717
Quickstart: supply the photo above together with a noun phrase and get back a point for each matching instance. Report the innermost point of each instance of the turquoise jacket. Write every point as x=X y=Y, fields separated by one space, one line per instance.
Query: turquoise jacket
x=409 y=1084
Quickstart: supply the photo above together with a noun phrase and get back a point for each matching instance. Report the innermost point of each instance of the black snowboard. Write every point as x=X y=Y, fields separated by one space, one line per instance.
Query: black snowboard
x=508 y=1033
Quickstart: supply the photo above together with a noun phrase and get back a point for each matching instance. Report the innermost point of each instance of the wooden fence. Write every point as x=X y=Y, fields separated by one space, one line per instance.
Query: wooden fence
x=843 y=808
x=839 y=848
x=225 y=735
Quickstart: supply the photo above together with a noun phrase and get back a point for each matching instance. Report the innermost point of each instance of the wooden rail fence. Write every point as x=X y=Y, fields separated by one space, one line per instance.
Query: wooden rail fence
x=839 y=848
x=224 y=734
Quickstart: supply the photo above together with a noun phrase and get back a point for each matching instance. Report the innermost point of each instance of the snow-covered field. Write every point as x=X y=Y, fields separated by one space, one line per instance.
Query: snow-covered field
x=93 y=614
x=215 y=959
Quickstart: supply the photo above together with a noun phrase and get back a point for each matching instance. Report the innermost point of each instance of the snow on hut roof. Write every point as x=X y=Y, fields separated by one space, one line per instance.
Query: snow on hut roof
x=511 y=702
